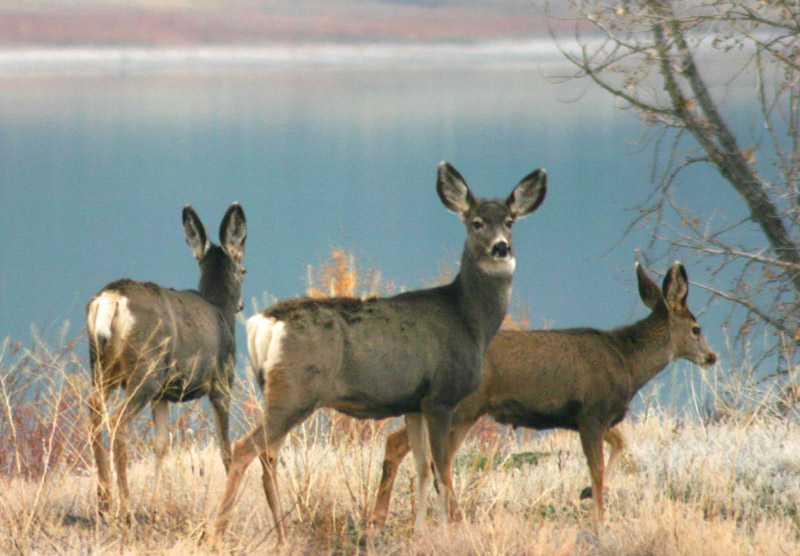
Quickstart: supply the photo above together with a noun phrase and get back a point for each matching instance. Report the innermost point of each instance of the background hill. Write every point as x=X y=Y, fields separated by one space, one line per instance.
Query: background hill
x=158 y=22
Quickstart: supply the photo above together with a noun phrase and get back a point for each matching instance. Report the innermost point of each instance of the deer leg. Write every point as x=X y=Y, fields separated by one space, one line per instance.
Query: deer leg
x=160 y=445
x=266 y=439
x=397 y=447
x=457 y=435
x=417 y=439
x=269 y=461
x=132 y=404
x=97 y=412
x=244 y=451
x=438 y=422
x=616 y=441
x=592 y=443
x=221 y=407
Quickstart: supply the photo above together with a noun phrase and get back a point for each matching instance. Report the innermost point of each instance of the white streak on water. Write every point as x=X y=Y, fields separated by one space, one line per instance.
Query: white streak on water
x=121 y=60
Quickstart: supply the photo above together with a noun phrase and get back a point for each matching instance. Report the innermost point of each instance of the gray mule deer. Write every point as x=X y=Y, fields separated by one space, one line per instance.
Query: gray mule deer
x=580 y=379
x=163 y=345
x=418 y=353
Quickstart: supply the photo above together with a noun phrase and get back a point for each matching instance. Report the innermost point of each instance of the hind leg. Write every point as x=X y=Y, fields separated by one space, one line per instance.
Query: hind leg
x=265 y=439
x=97 y=414
x=132 y=404
x=269 y=478
x=397 y=447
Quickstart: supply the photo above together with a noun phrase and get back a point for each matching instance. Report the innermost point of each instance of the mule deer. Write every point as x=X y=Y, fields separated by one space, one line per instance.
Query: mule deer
x=580 y=379
x=417 y=353
x=163 y=345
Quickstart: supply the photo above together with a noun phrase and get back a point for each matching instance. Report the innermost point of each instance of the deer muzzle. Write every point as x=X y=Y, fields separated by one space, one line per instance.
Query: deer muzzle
x=501 y=250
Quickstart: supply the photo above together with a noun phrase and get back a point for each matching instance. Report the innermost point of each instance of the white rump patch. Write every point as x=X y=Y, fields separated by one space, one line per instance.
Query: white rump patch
x=109 y=316
x=264 y=342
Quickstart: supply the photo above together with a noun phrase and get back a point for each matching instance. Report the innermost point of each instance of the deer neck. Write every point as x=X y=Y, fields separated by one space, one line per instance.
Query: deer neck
x=482 y=299
x=217 y=287
x=646 y=347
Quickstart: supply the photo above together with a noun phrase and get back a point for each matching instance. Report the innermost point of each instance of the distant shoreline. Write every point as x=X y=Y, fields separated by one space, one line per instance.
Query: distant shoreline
x=82 y=60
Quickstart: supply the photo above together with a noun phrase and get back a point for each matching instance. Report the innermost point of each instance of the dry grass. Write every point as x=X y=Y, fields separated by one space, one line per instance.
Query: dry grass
x=727 y=487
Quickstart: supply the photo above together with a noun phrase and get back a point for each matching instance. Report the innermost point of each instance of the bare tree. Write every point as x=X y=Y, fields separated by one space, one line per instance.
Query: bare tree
x=674 y=64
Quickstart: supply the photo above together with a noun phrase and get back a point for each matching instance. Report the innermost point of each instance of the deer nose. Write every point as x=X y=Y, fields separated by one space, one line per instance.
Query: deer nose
x=501 y=249
x=711 y=358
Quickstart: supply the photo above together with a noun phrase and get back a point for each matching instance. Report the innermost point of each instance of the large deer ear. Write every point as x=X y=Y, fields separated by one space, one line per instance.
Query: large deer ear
x=676 y=286
x=528 y=194
x=648 y=290
x=195 y=233
x=453 y=190
x=233 y=232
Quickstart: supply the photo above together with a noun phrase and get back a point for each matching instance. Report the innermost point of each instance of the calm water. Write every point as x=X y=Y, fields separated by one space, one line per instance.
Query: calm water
x=95 y=170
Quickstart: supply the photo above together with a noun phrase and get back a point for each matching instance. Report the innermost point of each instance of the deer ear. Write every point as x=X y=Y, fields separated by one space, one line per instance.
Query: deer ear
x=528 y=194
x=648 y=290
x=453 y=190
x=233 y=232
x=195 y=232
x=676 y=286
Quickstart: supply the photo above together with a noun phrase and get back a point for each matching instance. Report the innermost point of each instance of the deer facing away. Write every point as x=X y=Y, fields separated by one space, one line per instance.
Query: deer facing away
x=418 y=353
x=163 y=345
x=580 y=379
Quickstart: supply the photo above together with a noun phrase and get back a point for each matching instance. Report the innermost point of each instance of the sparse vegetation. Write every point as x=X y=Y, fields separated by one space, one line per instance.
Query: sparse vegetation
x=724 y=482
x=729 y=487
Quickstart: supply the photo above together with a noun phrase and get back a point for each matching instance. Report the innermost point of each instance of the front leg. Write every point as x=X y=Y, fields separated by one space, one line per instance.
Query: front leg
x=221 y=405
x=160 y=445
x=616 y=441
x=438 y=421
x=418 y=440
x=592 y=442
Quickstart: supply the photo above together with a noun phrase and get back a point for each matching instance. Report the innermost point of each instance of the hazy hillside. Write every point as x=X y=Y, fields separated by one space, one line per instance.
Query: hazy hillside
x=184 y=22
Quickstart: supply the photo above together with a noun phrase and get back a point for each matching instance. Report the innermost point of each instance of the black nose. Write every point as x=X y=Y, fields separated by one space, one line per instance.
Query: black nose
x=500 y=249
x=711 y=358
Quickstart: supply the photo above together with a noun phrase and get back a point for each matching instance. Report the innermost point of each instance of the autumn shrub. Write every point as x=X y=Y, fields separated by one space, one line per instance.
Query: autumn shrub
x=41 y=424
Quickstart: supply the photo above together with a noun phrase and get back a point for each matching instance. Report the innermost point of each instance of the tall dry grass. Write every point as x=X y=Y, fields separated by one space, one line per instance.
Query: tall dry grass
x=725 y=482
x=728 y=485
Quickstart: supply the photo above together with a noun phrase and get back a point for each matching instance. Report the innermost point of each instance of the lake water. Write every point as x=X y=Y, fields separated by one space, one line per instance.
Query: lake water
x=95 y=169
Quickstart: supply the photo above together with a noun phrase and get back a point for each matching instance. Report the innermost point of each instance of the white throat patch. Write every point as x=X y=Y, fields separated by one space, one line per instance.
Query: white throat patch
x=502 y=267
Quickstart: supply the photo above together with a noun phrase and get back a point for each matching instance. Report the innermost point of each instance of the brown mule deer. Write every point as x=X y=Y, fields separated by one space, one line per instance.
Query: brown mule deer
x=580 y=379
x=416 y=353
x=163 y=345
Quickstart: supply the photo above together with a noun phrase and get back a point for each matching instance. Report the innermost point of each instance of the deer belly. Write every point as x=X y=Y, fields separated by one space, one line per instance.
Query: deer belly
x=511 y=412
x=180 y=389
x=381 y=403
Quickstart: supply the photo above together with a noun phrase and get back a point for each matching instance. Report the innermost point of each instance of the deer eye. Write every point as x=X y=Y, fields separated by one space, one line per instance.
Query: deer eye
x=477 y=224
x=696 y=330
x=509 y=223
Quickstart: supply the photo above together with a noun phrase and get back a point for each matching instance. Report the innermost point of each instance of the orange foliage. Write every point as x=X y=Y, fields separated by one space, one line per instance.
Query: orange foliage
x=340 y=276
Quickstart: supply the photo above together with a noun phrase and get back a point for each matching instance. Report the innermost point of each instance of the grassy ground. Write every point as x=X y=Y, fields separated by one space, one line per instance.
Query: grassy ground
x=726 y=487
